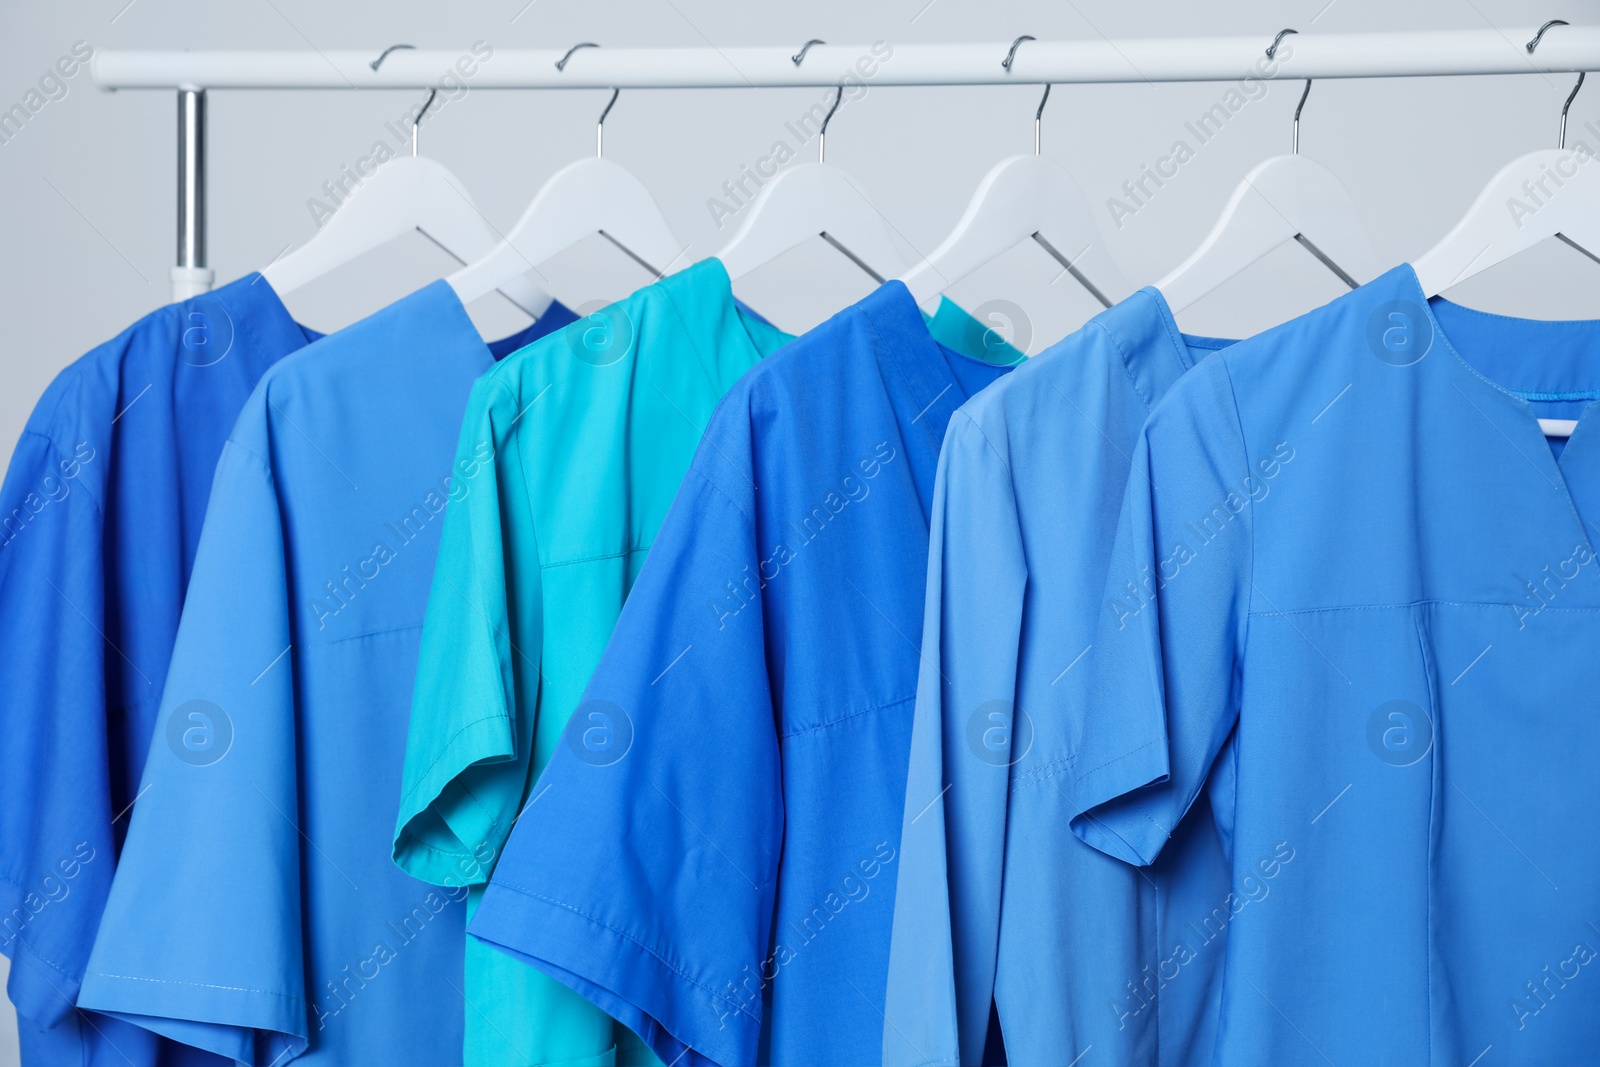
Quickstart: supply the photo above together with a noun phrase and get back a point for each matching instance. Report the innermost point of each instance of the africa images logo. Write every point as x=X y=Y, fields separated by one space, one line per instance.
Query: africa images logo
x=599 y=733
x=1399 y=733
x=199 y=733
x=1400 y=332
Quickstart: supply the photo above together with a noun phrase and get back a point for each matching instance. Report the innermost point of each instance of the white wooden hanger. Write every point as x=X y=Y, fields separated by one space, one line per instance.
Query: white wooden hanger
x=405 y=194
x=1491 y=233
x=813 y=200
x=1285 y=198
x=1023 y=197
x=590 y=196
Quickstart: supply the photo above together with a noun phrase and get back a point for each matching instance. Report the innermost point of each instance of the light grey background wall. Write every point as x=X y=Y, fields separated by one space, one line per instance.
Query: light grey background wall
x=86 y=231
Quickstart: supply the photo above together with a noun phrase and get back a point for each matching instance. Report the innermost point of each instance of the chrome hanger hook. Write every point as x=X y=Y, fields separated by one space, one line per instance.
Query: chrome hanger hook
x=1561 y=141
x=600 y=125
x=822 y=134
x=561 y=64
x=418 y=120
x=1012 y=55
x=376 y=63
x=1561 y=135
x=1272 y=53
x=1272 y=49
x=1294 y=141
x=1038 y=119
x=1531 y=45
x=800 y=56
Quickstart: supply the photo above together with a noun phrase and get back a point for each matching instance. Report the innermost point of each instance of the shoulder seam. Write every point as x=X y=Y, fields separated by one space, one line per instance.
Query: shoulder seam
x=695 y=470
x=1122 y=358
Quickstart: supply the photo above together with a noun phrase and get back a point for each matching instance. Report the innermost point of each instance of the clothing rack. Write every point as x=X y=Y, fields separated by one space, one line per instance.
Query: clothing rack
x=1564 y=50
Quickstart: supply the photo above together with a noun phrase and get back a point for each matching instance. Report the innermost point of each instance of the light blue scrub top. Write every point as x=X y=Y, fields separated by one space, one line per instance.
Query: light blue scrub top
x=996 y=899
x=256 y=912
x=1347 y=544
x=720 y=877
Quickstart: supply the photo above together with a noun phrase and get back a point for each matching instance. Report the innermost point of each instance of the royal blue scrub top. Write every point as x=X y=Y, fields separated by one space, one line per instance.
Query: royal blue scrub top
x=256 y=912
x=996 y=900
x=1348 y=546
x=99 y=518
x=724 y=885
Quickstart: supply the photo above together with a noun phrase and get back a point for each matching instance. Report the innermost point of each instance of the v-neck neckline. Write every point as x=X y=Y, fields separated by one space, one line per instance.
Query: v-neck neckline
x=1554 y=469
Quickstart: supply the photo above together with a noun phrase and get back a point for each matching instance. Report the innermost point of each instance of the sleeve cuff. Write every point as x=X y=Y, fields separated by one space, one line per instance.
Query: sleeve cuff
x=248 y=1026
x=41 y=992
x=1115 y=813
x=442 y=827
x=683 y=1022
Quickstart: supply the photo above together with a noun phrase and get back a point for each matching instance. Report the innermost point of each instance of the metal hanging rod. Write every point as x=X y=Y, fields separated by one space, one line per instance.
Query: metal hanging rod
x=1573 y=49
x=1568 y=49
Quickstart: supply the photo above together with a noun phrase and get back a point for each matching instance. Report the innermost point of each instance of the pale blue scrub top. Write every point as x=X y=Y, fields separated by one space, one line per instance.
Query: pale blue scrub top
x=256 y=912
x=720 y=875
x=996 y=898
x=99 y=520
x=1347 y=544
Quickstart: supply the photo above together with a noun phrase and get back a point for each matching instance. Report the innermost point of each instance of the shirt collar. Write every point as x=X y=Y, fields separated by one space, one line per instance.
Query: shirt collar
x=1155 y=352
x=256 y=313
x=701 y=295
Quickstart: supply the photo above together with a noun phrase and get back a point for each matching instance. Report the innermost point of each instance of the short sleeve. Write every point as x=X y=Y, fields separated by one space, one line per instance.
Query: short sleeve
x=56 y=846
x=643 y=876
x=201 y=939
x=947 y=901
x=468 y=752
x=1169 y=647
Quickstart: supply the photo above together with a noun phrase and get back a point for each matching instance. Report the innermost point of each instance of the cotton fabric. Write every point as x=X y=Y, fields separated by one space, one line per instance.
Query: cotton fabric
x=723 y=882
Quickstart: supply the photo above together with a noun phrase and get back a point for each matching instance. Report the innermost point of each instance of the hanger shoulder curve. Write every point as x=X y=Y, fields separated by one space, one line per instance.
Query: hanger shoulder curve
x=407 y=193
x=1019 y=197
x=1282 y=198
x=1538 y=195
x=803 y=201
x=585 y=197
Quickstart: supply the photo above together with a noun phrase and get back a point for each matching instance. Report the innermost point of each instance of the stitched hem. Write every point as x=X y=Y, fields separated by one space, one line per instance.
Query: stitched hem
x=485 y=738
x=172 y=1007
x=1121 y=830
x=629 y=980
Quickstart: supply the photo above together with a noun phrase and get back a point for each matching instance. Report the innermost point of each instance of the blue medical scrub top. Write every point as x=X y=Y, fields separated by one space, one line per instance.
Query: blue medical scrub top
x=256 y=913
x=996 y=899
x=99 y=518
x=1348 y=545
x=591 y=431
x=723 y=883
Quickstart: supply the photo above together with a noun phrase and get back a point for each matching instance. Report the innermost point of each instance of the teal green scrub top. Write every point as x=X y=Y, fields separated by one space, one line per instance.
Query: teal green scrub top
x=584 y=439
x=953 y=327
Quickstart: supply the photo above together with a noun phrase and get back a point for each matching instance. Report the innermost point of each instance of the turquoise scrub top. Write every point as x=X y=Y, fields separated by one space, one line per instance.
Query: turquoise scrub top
x=583 y=439
x=1348 y=553
x=996 y=900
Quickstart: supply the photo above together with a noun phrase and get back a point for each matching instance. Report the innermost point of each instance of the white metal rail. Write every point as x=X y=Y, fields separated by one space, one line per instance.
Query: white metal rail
x=1397 y=55
x=1563 y=49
